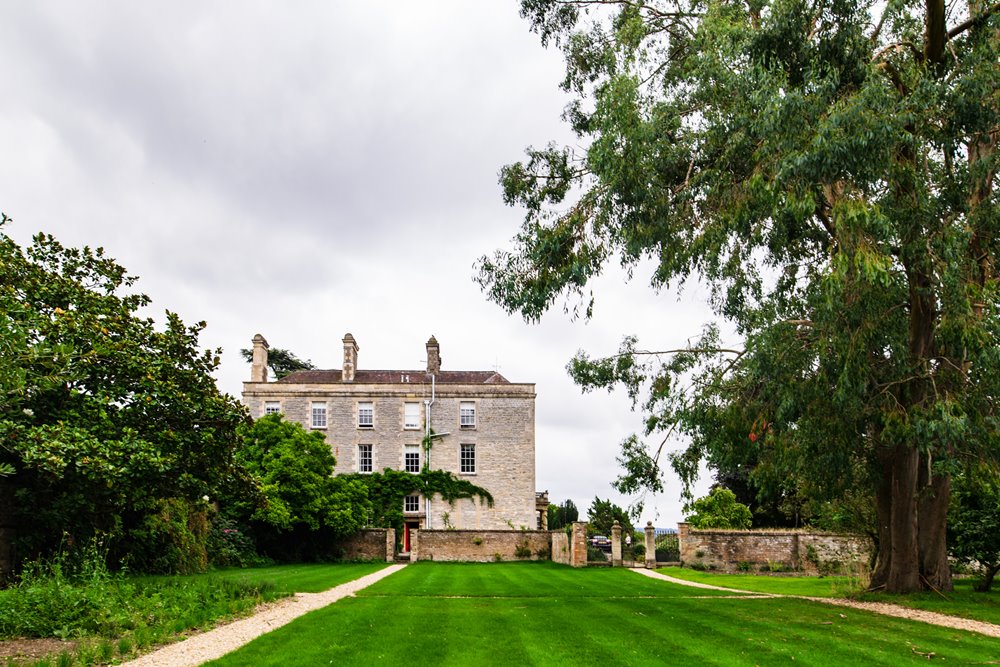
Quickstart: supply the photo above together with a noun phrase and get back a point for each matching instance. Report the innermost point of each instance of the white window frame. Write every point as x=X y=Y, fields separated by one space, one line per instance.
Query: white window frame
x=366 y=454
x=409 y=450
x=369 y=408
x=411 y=504
x=272 y=407
x=467 y=409
x=407 y=423
x=317 y=412
x=462 y=459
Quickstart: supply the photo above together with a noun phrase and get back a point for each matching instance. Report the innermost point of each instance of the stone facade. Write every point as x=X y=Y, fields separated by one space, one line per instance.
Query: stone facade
x=809 y=552
x=385 y=415
x=481 y=545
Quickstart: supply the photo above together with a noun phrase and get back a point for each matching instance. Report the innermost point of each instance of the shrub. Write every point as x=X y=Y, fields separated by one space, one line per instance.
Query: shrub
x=595 y=555
x=229 y=545
x=173 y=539
x=744 y=566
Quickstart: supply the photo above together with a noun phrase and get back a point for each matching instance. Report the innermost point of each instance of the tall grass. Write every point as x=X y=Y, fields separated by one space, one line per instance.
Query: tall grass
x=74 y=596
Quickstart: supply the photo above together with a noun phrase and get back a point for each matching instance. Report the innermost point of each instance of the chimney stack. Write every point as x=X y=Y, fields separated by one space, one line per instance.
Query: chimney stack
x=433 y=356
x=350 y=358
x=258 y=369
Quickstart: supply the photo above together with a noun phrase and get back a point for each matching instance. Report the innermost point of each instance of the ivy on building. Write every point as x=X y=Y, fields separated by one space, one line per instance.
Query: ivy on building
x=387 y=489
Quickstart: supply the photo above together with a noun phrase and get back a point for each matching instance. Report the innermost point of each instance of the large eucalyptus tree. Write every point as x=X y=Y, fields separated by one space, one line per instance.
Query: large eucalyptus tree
x=830 y=169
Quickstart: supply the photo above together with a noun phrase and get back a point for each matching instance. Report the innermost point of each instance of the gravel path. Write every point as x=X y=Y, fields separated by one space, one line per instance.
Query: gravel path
x=223 y=639
x=884 y=608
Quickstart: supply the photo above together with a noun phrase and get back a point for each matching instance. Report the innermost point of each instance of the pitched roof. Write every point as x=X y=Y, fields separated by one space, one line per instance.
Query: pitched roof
x=394 y=377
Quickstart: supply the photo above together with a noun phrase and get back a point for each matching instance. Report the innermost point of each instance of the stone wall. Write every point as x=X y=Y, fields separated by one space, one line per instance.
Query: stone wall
x=560 y=547
x=480 y=545
x=810 y=552
x=371 y=544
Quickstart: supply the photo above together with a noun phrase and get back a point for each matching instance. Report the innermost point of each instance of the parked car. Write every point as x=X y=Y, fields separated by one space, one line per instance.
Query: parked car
x=600 y=541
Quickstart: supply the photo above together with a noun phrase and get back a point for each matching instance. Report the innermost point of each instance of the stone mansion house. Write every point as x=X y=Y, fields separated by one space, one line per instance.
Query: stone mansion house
x=482 y=428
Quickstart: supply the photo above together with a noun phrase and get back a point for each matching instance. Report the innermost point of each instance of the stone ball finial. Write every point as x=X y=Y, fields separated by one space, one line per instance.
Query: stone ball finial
x=649 y=524
x=616 y=522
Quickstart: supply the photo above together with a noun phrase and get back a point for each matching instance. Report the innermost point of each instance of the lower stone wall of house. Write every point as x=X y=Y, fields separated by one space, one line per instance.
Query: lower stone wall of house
x=481 y=545
x=560 y=547
x=370 y=544
x=809 y=552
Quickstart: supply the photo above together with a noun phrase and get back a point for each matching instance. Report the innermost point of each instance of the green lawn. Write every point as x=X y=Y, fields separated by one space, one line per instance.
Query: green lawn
x=820 y=587
x=541 y=614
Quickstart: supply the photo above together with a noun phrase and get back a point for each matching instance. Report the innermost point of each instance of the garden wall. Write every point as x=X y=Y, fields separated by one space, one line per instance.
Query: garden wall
x=811 y=552
x=371 y=544
x=560 y=547
x=480 y=545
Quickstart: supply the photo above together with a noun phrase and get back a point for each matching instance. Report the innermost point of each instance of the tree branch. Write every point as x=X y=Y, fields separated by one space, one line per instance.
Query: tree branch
x=975 y=20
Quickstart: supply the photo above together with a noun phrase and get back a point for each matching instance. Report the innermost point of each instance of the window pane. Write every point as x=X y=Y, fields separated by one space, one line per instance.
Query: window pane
x=411 y=415
x=366 y=414
x=467 y=414
x=272 y=407
x=319 y=415
x=411 y=458
x=411 y=504
x=364 y=458
x=467 y=463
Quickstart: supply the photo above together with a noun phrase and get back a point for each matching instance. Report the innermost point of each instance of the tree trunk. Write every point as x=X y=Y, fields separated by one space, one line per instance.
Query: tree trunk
x=883 y=515
x=904 y=572
x=987 y=583
x=932 y=513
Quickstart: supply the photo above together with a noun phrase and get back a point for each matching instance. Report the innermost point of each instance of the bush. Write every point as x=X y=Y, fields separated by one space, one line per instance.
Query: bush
x=595 y=555
x=173 y=539
x=230 y=546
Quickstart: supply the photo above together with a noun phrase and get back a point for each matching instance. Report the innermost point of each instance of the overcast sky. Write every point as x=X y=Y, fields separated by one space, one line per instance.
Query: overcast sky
x=306 y=169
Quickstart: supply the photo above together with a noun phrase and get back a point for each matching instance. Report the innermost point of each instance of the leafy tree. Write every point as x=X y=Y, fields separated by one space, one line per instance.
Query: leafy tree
x=602 y=515
x=720 y=509
x=829 y=169
x=974 y=520
x=560 y=516
x=303 y=502
x=104 y=418
x=280 y=361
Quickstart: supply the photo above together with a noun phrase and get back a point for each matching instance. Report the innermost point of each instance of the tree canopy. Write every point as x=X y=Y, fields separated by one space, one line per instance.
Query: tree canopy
x=281 y=361
x=601 y=516
x=829 y=169
x=103 y=415
x=719 y=509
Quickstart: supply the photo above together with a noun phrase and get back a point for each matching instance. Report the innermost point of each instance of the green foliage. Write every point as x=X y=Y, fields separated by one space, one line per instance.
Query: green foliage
x=386 y=490
x=280 y=361
x=829 y=171
x=103 y=415
x=562 y=515
x=973 y=522
x=172 y=539
x=73 y=595
x=305 y=507
x=601 y=516
x=230 y=545
x=668 y=548
x=719 y=509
